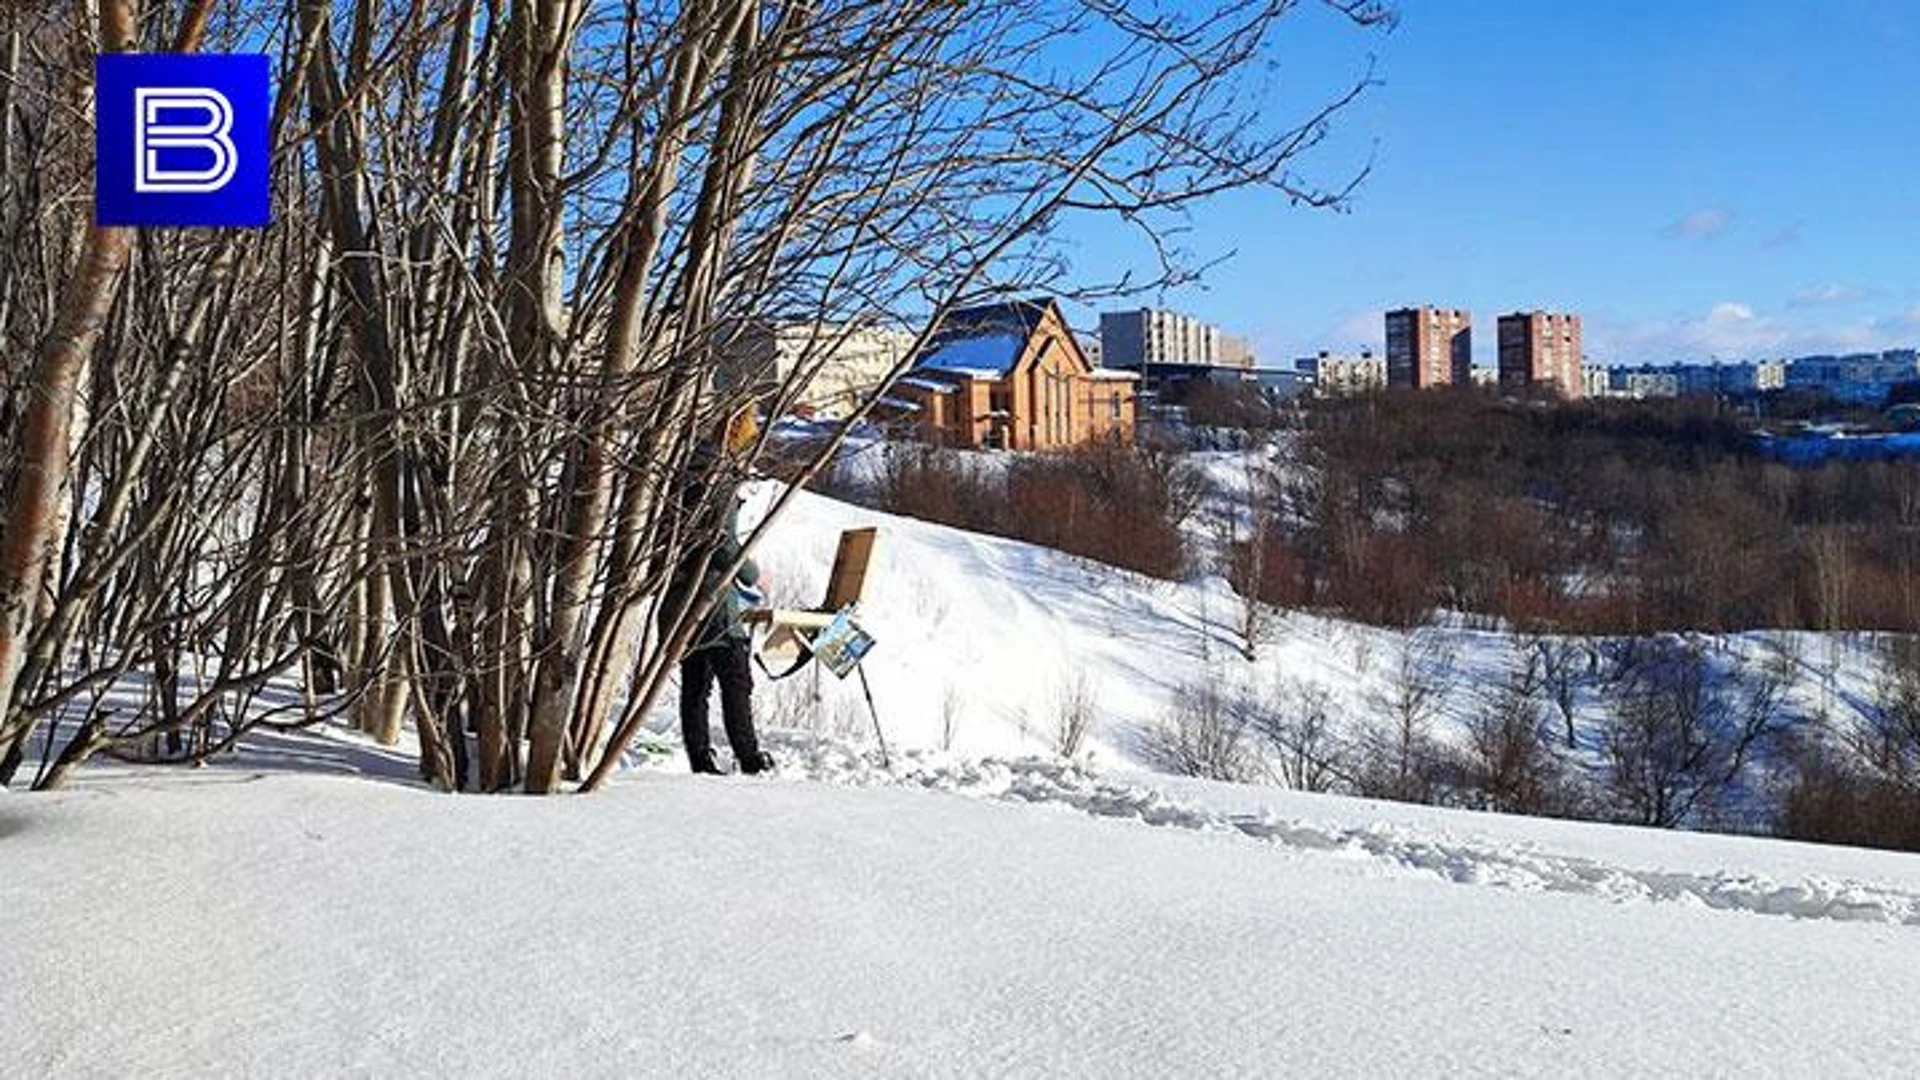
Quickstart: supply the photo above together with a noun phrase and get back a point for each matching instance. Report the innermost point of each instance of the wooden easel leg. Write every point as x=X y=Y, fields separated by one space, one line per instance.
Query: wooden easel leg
x=885 y=760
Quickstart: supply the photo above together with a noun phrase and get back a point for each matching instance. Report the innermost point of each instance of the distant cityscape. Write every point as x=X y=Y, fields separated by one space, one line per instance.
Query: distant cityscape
x=1428 y=346
x=1014 y=375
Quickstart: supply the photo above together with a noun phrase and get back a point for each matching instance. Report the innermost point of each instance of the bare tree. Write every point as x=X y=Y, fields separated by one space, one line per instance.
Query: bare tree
x=437 y=439
x=1510 y=762
x=1831 y=551
x=1888 y=736
x=41 y=595
x=1681 y=733
x=1248 y=527
x=1206 y=735
x=1305 y=752
x=1560 y=663
x=1402 y=759
x=1860 y=784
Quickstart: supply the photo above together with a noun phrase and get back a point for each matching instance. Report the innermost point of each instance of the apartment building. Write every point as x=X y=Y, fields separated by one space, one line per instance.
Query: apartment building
x=1857 y=378
x=1142 y=339
x=1596 y=381
x=1429 y=346
x=1335 y=374
x=1540 y=350
x=839 y=365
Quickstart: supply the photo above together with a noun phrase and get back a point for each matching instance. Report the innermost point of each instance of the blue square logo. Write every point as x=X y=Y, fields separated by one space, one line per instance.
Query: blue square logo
x=181 y=139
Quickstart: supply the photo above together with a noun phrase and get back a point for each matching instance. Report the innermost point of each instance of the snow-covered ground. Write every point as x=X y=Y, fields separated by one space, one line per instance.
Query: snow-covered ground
x=302 y=910
x=981 y=639
x=974 y=907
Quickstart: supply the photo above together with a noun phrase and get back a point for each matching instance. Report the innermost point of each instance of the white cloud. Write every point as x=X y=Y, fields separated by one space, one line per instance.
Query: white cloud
x=1903 y=326
x=1730 y=313
x=1700 y=225
x=1735 y=330
x=1786 y=237
x=1278 y=346
x=1828 y=293
x=1365 y=329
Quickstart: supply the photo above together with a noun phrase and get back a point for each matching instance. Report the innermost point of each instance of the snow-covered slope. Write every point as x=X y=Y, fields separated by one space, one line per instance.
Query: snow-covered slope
x=987 y=632
x=304 y=908
x=981 y=638
x=247 y=920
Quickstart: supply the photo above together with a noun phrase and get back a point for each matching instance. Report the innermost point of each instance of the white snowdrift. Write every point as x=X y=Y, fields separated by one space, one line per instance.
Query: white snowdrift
x=263 y=918
x=304 y=908
x=1424 y=841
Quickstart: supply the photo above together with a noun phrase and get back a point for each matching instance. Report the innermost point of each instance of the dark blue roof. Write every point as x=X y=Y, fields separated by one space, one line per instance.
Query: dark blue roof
x=1006 y=317
x=983 y=341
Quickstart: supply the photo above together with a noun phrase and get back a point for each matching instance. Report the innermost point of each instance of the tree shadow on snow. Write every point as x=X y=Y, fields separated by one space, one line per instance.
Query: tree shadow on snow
x=318 y=751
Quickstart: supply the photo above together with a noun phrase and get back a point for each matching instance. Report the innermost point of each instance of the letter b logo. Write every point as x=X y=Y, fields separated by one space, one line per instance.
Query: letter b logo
x=181 y=140
x=151 y=137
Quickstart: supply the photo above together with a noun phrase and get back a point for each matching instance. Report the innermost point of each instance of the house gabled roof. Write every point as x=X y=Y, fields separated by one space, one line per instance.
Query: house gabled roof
x=1008 y=316
x=985 y=341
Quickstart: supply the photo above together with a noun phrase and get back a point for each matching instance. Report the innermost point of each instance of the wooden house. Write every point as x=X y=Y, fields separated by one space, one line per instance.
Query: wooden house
x=1011 y=376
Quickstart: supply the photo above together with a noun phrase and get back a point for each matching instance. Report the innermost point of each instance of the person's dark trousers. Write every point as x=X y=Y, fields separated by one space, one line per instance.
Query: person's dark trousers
x=730 y=665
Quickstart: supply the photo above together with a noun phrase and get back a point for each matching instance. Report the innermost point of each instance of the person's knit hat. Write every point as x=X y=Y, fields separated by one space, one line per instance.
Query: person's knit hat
x=741 y=430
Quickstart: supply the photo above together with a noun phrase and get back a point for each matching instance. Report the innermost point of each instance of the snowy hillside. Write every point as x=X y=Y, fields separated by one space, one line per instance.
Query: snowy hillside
x=276 y=915
x=305 y=908
x=982 y=641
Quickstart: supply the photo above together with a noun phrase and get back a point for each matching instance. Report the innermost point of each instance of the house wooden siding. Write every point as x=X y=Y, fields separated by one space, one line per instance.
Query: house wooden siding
x=1050 y=398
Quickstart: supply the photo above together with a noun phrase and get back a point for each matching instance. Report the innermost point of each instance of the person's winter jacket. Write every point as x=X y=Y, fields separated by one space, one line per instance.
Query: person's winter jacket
x=724 y=622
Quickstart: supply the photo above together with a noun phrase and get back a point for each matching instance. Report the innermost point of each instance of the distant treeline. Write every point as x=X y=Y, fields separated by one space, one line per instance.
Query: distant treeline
x=1114 y=503
x=1600 y=518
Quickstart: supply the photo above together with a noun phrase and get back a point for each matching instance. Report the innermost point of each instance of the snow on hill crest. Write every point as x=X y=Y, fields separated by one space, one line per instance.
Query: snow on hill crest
x=981 y=638
x=303 y=907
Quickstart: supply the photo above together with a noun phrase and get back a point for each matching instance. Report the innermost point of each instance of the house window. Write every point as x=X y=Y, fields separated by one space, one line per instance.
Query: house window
x=1047 y=406
x=1053 y=407
x=1115 y=415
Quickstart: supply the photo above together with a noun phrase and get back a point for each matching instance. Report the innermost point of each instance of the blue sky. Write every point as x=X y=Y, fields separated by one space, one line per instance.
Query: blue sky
x=1698 y=179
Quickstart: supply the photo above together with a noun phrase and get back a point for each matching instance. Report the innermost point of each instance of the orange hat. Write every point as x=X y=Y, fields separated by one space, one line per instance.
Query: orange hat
x=741 y=431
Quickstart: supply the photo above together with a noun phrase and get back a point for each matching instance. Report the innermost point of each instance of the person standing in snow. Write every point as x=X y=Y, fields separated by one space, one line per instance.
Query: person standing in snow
x=720 y=650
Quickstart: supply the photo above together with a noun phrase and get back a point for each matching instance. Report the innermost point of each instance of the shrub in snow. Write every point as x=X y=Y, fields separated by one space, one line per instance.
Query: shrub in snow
x=1864 y=786
x=1073 y=713
x=1681 y=730
x=1304 y=751
x=1206 y=735
x=1401 y=759
x=1508 y=763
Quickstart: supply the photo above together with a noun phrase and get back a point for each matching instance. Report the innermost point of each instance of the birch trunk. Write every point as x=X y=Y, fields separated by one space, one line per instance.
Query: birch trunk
x=29 y=527
x=539 y=38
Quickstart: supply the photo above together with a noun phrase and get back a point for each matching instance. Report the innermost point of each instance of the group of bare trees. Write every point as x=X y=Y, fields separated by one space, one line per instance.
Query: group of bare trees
x=1857 y=781
x=431 y=441
x=1120 y=504
x=1588 y=518
x=1662 y=730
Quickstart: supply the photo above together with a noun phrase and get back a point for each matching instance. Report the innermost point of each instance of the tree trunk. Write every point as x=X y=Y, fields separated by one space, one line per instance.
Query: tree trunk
x=539 y=37
x=43 y=450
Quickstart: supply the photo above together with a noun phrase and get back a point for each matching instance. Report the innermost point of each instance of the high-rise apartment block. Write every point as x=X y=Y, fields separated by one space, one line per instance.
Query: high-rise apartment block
x=1541 y=350
x=1134 y=340
x=1429 y=346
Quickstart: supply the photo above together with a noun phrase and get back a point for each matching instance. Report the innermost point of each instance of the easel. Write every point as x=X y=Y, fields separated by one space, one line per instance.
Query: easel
x=827 y=633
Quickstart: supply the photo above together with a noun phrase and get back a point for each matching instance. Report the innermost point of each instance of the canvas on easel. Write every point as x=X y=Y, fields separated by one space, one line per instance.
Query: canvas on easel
x=794 y=636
